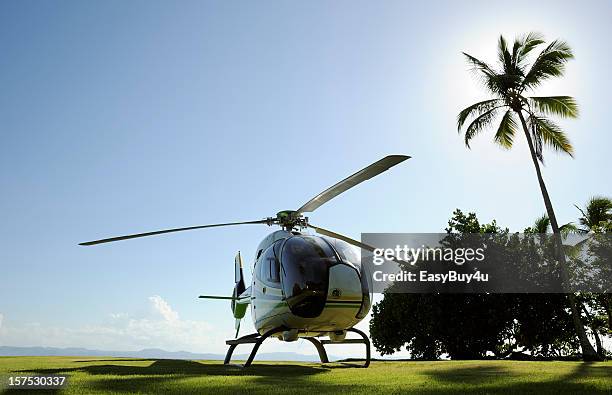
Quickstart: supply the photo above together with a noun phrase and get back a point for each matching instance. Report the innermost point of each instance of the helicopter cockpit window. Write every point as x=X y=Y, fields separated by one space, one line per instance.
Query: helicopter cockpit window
x=269 y=266
x=347 y=252
x=305 y=273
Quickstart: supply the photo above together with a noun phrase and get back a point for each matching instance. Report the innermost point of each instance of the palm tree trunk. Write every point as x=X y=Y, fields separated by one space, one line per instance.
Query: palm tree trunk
x=606 y=301
x=588 y=352
x=594 y=329
x=600 y=350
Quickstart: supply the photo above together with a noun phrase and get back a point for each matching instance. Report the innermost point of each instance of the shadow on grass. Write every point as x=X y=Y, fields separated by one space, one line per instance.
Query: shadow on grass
x=152 y=378
x=186 y=377
x=179 y=367
x=471 y=375
x=493 y=379
x=117 y=360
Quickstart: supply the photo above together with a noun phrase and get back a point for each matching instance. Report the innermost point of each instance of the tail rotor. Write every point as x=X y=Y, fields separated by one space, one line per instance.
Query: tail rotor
x=238 y=309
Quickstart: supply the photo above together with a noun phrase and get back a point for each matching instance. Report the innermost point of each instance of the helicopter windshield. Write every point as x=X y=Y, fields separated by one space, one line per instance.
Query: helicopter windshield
x=305 y=269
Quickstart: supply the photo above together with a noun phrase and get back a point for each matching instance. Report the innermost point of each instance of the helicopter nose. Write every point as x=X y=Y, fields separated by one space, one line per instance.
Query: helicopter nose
x=345 y=288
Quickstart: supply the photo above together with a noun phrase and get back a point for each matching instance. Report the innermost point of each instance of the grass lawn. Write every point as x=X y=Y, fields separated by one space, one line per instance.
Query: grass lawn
x=124 y=375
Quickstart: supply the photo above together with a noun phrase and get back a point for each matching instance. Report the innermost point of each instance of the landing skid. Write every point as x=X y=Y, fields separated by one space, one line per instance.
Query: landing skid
x=257 y=340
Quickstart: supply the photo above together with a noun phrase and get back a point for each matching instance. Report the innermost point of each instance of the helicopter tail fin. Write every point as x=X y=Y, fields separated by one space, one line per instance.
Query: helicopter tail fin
x=237 y=326
x=241 y=296
x=238 y=275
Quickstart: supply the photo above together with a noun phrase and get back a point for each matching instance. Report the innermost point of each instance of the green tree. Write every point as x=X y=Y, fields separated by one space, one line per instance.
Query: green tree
x=597 y=214
x=469 y=326
x=464 y=326
x=509 y=84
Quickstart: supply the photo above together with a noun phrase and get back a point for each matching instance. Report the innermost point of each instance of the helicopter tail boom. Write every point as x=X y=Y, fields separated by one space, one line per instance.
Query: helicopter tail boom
x=217 y=297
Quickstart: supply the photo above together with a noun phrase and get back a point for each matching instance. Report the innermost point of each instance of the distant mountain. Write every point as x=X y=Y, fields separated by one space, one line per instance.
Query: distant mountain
x=149 y=353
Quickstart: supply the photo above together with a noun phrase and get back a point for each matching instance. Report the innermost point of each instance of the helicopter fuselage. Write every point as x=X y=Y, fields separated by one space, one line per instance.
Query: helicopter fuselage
x=311 y=285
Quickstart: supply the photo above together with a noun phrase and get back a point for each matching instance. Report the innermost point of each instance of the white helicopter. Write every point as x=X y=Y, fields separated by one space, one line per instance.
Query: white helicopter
x=303 y=286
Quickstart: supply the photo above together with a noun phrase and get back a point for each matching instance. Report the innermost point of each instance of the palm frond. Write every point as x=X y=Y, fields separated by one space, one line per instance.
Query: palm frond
x=475 y=109
x=495 y=83
x=478 y=124
x=569 y=228
x=501 y=84
x=541 y=224
x=584 y=219
x=551 y=134
x=527 y=44
x=504 y=55
x=479 y=65
x=506 y=130
x=549 y=63
x=563 y=106
x=598 y=210
x=498 y=83
x=516 y=49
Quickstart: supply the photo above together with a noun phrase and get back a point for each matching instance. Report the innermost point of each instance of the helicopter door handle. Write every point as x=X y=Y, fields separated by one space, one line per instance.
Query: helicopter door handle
x=264 y=289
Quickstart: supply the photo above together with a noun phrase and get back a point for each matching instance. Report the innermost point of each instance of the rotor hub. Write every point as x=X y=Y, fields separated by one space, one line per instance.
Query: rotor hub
x=290 y=219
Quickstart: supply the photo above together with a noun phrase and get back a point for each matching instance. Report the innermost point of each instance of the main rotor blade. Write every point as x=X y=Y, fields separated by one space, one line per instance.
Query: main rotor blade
x=347 y=239
x=362 y=175
x=159 y=232
x=335 y=235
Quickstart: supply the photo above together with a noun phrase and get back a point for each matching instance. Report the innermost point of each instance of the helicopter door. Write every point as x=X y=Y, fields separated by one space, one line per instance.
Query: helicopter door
x=267 y=284
x=305 y=262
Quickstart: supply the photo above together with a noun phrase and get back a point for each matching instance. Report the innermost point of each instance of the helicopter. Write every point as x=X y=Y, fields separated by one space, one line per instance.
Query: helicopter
x=303 y=286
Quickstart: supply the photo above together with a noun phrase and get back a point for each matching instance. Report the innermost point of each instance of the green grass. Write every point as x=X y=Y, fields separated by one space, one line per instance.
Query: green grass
x=122 y=375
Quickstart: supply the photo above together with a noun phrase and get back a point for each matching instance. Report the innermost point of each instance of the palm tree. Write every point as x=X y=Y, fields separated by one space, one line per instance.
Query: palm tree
x=509 y=84
x=542 y=225
x=597 y=214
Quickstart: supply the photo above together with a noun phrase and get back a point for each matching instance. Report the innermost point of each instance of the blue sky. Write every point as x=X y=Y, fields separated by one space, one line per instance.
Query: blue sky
x=120 y=117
